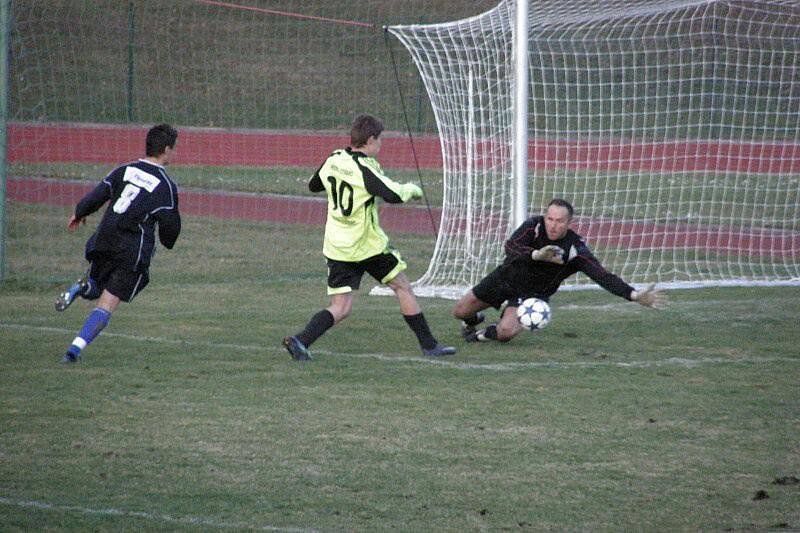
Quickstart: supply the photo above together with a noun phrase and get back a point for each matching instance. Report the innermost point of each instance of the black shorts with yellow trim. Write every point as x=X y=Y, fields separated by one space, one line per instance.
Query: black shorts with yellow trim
x=345 y=276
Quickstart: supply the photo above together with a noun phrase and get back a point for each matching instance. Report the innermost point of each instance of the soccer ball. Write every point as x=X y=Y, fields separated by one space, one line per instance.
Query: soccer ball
x=533 y=314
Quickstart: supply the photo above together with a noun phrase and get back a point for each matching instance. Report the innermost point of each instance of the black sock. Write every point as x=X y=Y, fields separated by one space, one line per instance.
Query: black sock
x=419 y=326
x=490 y=332
x=321 y=322
x=473 y=320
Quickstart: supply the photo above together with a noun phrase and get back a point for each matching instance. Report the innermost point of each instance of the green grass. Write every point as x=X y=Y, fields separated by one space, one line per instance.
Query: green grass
x=187 y=413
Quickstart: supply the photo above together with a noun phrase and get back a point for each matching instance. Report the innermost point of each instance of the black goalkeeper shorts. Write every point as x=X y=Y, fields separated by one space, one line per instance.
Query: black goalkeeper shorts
x=495 y=290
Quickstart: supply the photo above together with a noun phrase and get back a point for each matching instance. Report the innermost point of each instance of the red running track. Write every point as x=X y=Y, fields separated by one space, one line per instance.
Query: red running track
x=49 y=143
x=406 y=219
x=238 y=206
x=33 y=143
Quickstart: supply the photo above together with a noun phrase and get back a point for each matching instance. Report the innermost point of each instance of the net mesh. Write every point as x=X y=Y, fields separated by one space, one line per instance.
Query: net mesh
x=259 y=101
x=673 y=127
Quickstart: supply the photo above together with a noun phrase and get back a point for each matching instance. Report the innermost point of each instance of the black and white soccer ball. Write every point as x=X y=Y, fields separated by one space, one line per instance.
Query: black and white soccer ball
x=533 y=314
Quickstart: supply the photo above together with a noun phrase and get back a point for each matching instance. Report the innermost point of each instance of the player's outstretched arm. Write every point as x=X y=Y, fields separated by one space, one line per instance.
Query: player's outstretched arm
x=75 y=222
x=391 y=191
x=650 y=297
x=92 y=201
x=412 y=191
x=550 y=254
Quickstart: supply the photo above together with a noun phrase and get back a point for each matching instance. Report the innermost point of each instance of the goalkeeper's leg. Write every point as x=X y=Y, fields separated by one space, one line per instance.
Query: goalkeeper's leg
x=469 y=309
x=503 y=331
x=509 y=326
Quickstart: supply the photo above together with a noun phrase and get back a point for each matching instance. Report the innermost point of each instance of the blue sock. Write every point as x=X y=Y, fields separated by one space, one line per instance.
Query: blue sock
x=97 y=320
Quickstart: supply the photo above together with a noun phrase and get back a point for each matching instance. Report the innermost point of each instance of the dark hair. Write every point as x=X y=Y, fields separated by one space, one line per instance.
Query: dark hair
x=364 y=127
x=159 y=137
x=562 y=203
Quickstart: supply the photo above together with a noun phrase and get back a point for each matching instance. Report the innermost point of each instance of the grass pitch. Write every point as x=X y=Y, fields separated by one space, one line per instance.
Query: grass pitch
x=187 y=413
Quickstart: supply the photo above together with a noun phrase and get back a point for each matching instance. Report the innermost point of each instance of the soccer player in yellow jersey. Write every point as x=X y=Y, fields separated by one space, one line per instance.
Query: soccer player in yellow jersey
x=354 y=241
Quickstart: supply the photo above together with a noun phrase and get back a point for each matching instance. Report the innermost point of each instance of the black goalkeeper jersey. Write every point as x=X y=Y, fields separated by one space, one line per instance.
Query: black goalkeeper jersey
x=140 y=194
x=542 y=278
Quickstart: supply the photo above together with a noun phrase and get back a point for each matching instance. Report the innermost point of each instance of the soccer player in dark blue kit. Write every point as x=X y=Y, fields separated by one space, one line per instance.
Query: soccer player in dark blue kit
x=540 y=255
x=140 y=195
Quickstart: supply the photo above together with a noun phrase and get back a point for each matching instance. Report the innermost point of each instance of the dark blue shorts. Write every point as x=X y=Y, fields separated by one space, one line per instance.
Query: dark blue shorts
x=116 y=278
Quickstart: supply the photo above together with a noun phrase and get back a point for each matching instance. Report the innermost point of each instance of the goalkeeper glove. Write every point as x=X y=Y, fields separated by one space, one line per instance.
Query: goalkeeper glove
x=650 y=297
x=550 y=254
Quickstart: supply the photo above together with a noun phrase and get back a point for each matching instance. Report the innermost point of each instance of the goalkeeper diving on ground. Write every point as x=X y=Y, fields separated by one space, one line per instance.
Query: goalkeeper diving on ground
x=540 y=255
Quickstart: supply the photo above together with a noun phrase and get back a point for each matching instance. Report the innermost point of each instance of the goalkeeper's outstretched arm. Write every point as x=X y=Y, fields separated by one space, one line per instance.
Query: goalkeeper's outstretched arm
x=648 y=297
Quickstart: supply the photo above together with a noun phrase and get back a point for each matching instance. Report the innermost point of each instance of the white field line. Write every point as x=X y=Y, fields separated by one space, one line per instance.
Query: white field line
x=672 y=361
x=188 y=520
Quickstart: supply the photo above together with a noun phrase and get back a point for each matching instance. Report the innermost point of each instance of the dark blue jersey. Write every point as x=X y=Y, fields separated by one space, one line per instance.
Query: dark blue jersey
x=543 y=278
x=140 y=194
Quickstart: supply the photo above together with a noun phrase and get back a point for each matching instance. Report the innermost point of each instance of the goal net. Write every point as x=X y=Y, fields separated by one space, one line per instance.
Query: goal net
x=259 y=100
x=672 y=126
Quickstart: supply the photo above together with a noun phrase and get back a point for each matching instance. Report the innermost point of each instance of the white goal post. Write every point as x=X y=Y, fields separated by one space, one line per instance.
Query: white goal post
x=673 y=126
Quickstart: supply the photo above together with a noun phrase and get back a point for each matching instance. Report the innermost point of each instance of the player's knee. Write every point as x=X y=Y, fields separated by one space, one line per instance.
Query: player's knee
x=460 y=311
x=400 y=284
x=404 y=292
x=466 y=307
x=505 y=333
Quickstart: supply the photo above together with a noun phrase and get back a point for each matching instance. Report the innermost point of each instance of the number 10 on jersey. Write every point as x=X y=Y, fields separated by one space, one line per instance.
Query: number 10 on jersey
x=338 y=198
